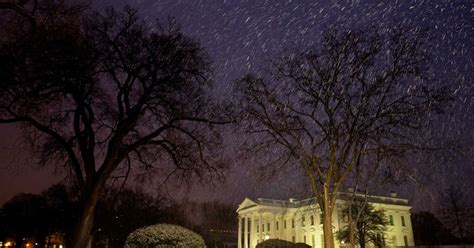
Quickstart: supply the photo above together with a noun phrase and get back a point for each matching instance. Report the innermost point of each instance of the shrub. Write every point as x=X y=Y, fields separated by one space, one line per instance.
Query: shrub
x=164 y=236
x=271 y=243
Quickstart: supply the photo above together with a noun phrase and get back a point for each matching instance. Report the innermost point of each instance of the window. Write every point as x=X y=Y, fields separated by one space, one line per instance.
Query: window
x=302 y=221
x=405 y=239
x=277 y=225
x=268 y=227
x=304 y=239
x=312 y=221
x=403 y=220
x=321 y=219
x=390 y=218
x=292 y=223
x=284 y=224
x=257 y=227
x=293 y=239
x=263 y=227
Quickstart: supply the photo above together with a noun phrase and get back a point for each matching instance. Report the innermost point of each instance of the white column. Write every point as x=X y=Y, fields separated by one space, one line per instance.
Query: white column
x=260 y=222
x=239 y=234
x=297 y=227
x=252 y=231
x=282 y=230
x=273 y=227
x=246 y=232
x=289 y=231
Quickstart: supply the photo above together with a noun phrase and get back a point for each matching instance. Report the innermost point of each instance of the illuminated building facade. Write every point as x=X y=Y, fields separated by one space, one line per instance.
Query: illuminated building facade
x=300 y=221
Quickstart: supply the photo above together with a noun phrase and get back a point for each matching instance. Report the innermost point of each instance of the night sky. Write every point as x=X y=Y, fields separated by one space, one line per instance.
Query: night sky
x=241 y=35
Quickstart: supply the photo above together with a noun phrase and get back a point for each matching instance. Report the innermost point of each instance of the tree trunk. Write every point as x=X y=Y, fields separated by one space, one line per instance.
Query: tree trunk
x=361 y=235
x=327 y=224
x=82 y=231
x=362 y=242
x=352 y=239
x=328 y=234
x=351 y=228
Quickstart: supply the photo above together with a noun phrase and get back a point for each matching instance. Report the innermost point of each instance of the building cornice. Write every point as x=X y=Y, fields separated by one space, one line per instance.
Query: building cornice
x=393 y=202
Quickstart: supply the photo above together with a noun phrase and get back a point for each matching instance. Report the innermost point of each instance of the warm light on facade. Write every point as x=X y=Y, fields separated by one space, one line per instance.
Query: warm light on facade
x=305 y=226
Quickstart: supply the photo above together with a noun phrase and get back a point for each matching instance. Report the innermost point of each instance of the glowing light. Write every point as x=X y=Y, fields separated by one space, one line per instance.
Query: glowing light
x=267 y=237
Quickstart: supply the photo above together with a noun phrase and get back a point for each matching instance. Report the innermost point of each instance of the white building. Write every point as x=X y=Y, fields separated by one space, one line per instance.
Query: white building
x=300 y=222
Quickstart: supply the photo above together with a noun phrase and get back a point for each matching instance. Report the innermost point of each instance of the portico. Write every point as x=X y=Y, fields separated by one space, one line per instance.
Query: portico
x=300 y=221
x=261 y=222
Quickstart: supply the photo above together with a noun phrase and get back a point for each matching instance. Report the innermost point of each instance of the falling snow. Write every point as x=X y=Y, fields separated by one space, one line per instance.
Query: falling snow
x=241 y=36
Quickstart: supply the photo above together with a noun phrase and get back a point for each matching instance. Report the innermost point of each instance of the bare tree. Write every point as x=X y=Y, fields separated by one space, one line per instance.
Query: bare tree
x=120 y=213
x=370 y=175
x=429 y=231
x=101 y=94
x=457 y=212
x=19 y=8
x=357 y=94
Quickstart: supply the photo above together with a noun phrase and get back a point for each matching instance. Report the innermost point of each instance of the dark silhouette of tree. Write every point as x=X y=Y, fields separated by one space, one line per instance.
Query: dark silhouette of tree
x=355 y=95
x=218 y=215
x=429 y=231
x=62 y=210
x=25 y=216
x=98 y=94
x=217 y=222
x=121 y=212
x=37 y=217
x=370 y=224
x=457 y=213
x=19 y=8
